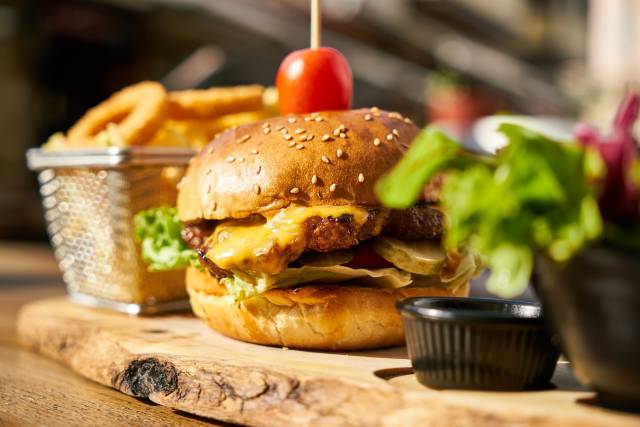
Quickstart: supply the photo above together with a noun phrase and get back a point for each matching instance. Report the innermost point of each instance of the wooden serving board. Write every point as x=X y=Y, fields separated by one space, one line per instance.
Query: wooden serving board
x=178 y=362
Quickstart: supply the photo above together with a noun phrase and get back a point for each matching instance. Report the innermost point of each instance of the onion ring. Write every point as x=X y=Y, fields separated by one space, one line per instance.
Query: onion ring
x=214 y=102
x=138 y=110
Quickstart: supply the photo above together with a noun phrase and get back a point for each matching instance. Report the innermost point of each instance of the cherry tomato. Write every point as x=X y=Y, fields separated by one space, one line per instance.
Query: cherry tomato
x=311 y=80
x=365 y=257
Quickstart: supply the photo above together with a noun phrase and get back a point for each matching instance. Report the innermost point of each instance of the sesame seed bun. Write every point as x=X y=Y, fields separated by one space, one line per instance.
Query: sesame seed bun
x=341 y=316
x=327 y=158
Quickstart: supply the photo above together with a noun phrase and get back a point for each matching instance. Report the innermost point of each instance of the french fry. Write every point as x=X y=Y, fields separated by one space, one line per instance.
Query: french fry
x=214 y=102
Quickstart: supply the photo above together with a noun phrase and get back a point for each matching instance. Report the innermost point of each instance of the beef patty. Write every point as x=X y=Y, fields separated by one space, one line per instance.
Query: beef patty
x=420 y=222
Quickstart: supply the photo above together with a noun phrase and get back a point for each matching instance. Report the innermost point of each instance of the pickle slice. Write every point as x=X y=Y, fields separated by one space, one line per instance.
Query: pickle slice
x=326 y=259
x=420 y=257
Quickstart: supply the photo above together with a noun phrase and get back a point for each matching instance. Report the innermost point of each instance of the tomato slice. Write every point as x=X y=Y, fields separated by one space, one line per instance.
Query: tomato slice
x=366 y=257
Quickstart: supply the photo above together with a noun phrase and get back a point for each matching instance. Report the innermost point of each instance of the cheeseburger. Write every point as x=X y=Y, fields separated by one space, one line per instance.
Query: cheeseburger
x=294 y=248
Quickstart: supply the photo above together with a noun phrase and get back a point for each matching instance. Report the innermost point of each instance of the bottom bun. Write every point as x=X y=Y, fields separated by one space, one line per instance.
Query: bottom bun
x=314 y=317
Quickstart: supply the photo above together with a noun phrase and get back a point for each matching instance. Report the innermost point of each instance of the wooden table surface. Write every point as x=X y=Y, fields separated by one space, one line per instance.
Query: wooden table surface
x=35 y=391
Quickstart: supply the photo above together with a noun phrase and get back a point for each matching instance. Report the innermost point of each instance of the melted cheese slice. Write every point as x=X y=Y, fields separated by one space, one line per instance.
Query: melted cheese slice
x=268 y=244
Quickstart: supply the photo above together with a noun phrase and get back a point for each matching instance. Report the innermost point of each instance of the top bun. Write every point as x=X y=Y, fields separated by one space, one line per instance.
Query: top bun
x=327 y=158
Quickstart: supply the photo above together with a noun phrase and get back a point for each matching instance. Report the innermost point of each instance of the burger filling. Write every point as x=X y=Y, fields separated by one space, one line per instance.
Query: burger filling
x=267 y=244
x=304 y=245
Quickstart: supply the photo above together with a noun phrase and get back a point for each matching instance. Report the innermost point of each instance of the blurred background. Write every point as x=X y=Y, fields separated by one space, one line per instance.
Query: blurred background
x=450 y=61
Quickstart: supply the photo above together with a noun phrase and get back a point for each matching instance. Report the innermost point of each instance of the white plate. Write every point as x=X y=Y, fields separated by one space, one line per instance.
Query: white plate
x=486 y=136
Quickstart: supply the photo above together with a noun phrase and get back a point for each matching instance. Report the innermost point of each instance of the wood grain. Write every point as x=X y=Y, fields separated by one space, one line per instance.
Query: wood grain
x=177 y=362
x=36 y=391
x=31 y=261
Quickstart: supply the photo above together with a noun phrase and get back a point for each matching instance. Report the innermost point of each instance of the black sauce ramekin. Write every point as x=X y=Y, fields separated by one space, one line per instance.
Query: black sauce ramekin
x=478 y=343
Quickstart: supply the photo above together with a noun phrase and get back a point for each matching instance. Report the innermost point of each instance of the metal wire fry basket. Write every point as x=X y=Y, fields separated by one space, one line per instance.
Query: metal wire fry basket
x=89 y=199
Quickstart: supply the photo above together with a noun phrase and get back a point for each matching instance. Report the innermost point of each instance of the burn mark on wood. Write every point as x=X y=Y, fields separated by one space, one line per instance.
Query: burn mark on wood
x=63 y=344
x=146 y=376
x=155 y=331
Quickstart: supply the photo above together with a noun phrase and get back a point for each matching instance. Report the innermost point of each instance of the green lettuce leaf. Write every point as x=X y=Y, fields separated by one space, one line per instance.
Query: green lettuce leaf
x=241 y=286
x=431 y=152
x=158 y=231
x=381 y=278
x=535 y=195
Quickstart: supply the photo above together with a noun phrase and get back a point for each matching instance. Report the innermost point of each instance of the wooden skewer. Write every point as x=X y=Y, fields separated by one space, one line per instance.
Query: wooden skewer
x=316 y=24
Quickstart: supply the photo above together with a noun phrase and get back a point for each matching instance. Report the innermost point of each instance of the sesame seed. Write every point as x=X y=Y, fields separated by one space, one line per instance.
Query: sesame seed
x=408 y=120
x=360 y=178
x=326 y=137
x=342 y=128
x=265 y=125
x=336 y=132
x=308 y=119
x=299 y=146
x=316 y=114
x=368 y=117
x=376 y=142
x=254 y=151
x=390 y=137
x=266 y=130
x=291 y=119
x=294 y=190
x=299 y=131
x=310 y=137
x=343 y=135
x=241 y=159
x=279 y=127
x=287 y=136
x=209 y=171
x=302 y=138
x=314 y=179
x=258 y=169
x=256 y=188
x=325 y=159
x=339 y=153
x=375 y=109
x=231 y=159
x=332 y=188
x=395 y=132
x=319 y=119
x=291 y=144
x=396 y=115
x=246 y=138
x=211 y=150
